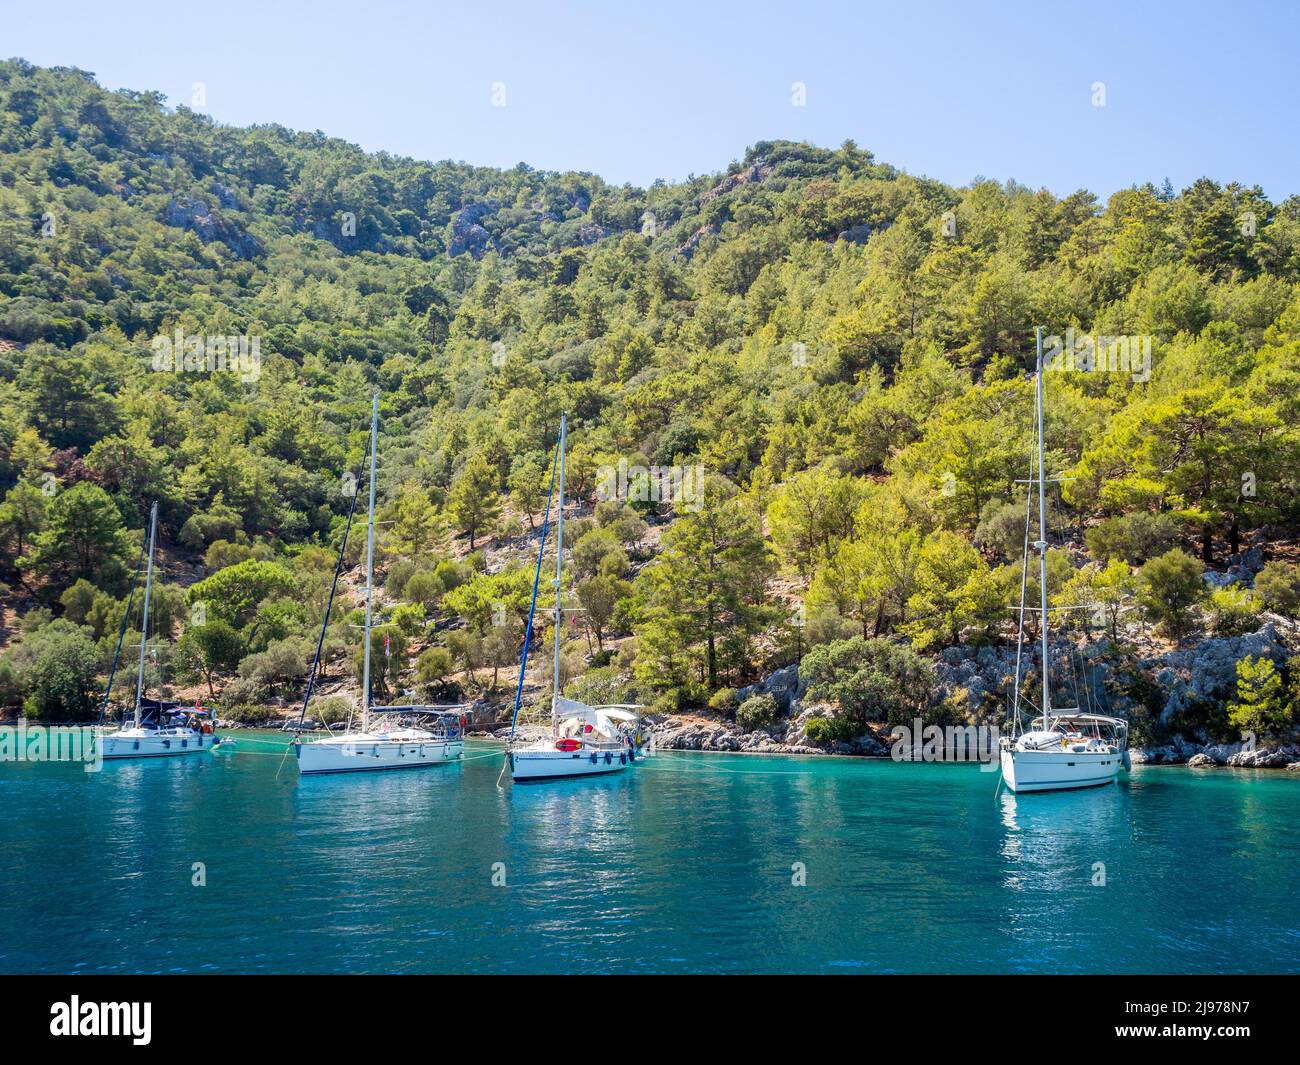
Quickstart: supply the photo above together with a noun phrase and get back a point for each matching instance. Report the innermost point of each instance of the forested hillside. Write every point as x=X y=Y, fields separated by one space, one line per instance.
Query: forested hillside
x=830 y=357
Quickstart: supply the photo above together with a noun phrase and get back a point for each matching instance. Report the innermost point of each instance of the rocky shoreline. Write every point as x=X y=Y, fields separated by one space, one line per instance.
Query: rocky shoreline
x=694 y=734
x=976 y=678
x=713 y=733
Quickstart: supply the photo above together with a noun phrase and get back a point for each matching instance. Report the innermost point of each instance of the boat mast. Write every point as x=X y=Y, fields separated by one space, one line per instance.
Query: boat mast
x=1042 y=531
x=532 y=605
x=370 y=567
x=559 y=574
x=121 y=632
x=1024 y=583
x=144 y=621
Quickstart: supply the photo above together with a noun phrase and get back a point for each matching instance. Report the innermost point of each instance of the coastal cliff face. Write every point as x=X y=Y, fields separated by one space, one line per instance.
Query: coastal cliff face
x=975 y=682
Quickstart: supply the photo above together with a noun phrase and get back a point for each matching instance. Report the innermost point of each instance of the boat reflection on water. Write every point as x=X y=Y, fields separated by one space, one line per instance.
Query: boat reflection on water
x=1058 y=853
x=591 y=817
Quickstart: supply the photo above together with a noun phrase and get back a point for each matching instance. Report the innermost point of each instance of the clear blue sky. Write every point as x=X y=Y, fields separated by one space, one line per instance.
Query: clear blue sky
x=663 y=89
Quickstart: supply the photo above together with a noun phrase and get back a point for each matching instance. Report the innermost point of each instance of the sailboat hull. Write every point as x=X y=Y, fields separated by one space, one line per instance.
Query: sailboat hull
x=142 y=743
x=1059 y=770
x=529 y=765
x=343 y=755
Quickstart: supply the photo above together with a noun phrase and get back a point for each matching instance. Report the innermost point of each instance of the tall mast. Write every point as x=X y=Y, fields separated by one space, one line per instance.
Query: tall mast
x=559 y=574
x=1024 y=583
x=1042 y=532
x=144 y=622
x=370 y=567
x=532 y=605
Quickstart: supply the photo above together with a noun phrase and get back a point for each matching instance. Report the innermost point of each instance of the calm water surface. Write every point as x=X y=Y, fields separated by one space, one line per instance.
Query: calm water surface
x=683 y=864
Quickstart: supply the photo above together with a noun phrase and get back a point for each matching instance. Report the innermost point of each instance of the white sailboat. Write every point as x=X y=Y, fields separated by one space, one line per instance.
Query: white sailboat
x=585 y=740
x=159 y=729
x=394 y=741
x=1063 y=748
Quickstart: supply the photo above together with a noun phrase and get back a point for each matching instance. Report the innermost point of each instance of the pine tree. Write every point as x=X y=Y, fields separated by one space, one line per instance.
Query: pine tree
x=474 y=502
x=1260 y=706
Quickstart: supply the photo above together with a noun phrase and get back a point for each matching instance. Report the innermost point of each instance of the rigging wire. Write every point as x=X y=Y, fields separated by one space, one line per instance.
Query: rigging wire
x=532 y=606
x=121 y=632
x=1024 y=581
x=329 y=606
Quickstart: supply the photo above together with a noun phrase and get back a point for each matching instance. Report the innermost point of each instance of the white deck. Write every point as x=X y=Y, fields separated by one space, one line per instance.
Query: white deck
x=154 y=743
x=354 y=752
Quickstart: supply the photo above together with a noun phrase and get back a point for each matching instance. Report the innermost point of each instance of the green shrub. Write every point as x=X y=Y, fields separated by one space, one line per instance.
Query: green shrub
x=434 y=665
x=398 y=575
x=424 y=587
x=246 y=713
x=1001 y=529
x=219 y=522
x=1277 y=586
x=1132 y=538
x=725 y=701
x=870 y=680
x=756 y=712
x=78 y=600
x=820 y=730
x=222 y=553
x=668 y=702
x=409 y=617
x=828 y=730
x=280 y=668
x=12 y=686
x=63 y=673
x=1168 y=587
x=331 y=710
x=1233 y=611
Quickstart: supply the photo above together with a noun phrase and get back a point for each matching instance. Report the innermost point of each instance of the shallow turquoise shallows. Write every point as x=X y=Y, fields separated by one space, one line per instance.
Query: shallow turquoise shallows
x=686 y=863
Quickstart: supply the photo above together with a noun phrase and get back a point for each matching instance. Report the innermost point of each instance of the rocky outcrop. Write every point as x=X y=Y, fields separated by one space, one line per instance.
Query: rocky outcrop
x=186 y=212
x=227 y=197
x=1188 y=677
x=981 y=673
x=675 y=733
x=712 y=732
x=466 y=233
x=1176 y=753
x=1244 y=565
x=1233 y=755
x=857 y=234
x=784 y=686
x=756 y=173
x=1265 y=758
x=686 y=250
x=1207 y=672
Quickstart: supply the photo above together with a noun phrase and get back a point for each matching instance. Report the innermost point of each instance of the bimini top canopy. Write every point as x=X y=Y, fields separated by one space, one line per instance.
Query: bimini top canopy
x=446 y=710
x=576 y=717
x=1067 y=715
x=152 y=708
x=571 y=708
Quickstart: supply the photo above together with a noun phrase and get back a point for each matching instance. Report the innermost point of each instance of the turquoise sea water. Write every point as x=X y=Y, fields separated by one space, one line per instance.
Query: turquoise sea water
x=683 y=864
